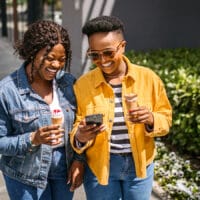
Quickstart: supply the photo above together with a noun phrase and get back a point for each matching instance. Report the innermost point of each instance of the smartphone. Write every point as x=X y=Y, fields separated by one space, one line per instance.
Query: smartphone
x=94 y=119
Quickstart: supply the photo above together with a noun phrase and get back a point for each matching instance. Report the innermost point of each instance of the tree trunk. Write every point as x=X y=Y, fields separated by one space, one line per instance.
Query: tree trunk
x=3 y=18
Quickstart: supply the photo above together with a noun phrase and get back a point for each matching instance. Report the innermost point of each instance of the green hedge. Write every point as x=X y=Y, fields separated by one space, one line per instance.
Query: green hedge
x=180 y=71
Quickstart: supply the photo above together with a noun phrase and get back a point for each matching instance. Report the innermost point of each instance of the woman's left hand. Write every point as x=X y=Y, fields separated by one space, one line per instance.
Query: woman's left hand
x=75 y=175
x=141 y=114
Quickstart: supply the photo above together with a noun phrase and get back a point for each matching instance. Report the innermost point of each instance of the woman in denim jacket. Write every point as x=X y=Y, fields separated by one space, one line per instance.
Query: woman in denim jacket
x=37 y=160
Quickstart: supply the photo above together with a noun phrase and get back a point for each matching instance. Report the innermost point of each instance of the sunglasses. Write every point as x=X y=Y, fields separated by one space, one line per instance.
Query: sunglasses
x=107 y=53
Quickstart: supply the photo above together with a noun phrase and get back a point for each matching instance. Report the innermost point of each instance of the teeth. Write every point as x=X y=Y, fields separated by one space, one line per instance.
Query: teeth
x=52 y=70
x=106 y=64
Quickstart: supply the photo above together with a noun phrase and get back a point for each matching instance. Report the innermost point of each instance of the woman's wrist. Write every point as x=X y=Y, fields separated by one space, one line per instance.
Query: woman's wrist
x=32 y=136
x=78 y=139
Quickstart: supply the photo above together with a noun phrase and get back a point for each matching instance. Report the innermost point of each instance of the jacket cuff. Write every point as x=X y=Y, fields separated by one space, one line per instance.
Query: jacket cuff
x=80 y=157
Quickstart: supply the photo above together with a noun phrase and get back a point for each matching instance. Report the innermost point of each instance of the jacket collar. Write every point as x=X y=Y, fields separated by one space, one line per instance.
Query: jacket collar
x=22 y=80
x=98 y=77
x=131 y=69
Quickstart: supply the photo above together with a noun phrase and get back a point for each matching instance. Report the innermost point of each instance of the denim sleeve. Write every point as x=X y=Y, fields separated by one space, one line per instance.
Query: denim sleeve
x=15 y=145
x=11 y=144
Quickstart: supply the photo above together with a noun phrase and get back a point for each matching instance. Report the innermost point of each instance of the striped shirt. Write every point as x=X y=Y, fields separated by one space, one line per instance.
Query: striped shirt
x=119 y=142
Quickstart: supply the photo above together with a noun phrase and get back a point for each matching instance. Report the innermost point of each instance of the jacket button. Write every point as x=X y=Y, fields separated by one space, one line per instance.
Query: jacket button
x=110 y=120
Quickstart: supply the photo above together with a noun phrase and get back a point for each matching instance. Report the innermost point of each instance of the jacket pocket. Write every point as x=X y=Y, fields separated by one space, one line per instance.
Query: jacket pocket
x=25 y=120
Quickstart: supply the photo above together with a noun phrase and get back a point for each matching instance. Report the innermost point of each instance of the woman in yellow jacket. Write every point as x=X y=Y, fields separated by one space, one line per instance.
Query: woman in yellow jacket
x=121 y=150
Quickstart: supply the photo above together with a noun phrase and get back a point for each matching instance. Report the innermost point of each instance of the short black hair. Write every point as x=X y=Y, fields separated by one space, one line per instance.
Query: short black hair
x=103 y=24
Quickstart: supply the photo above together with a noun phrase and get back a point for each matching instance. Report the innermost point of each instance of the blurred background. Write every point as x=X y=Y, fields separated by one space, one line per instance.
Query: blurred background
x=152 y=24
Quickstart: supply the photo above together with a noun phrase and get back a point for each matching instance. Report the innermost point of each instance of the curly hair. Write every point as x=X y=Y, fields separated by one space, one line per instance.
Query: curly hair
x=103 y=24
x=43 y=34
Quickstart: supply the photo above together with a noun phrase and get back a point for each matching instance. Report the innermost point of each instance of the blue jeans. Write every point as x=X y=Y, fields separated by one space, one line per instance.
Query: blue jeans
x=57 y=187
x=123 y=183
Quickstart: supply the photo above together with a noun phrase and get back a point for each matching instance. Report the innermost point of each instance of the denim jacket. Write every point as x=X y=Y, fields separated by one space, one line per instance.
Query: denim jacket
x=22 y=111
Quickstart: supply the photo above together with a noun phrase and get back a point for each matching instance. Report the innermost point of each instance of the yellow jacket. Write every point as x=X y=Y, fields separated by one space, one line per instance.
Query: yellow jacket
x=94 y=95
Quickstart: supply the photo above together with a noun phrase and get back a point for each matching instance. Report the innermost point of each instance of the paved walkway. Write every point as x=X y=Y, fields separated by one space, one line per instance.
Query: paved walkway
x=8 y=63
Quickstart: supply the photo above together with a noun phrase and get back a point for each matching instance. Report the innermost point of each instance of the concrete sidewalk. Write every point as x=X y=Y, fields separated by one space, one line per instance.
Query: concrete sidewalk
x=3 y=192
x=8 y=61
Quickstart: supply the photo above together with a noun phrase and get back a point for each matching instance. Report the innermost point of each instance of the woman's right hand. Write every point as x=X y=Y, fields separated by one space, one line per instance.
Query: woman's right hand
x=88 y=132
x=50 y=135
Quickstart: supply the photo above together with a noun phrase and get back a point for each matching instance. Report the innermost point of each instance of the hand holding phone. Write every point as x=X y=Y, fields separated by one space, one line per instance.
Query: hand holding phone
x=86 y=131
